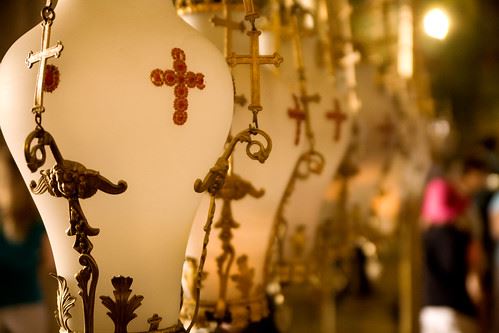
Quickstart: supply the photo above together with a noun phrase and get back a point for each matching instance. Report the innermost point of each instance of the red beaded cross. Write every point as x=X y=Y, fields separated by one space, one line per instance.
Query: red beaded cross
x=338 y=117
x=299 y=115
x=52 y=78
x=181 y=79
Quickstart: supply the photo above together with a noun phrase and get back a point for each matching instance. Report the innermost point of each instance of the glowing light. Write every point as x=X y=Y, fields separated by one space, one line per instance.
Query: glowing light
x=436 y=23
x=405 y=44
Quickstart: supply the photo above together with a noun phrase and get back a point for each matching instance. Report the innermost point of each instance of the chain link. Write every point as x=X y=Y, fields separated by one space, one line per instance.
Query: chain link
x=48 y=13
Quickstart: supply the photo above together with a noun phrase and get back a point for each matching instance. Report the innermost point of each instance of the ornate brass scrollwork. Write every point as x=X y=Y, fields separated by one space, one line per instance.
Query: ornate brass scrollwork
x=214 y=182
x=64 y=304
x=310 y=162
x=235 y=188
x=122 y=309
x=72 y=181
x=215 y=178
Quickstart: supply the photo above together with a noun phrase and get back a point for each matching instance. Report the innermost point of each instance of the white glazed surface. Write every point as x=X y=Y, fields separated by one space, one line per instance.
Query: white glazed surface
x=107 y=115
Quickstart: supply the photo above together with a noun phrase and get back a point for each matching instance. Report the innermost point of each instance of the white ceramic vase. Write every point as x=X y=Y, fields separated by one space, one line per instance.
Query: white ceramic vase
x=107 y=114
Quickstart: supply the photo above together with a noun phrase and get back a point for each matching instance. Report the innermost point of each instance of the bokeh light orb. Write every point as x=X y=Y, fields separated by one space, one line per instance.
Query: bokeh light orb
x=436 y=23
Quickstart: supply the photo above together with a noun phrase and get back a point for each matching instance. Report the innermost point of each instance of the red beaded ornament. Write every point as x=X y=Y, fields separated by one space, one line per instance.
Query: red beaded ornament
x=52 y=78
x=181 y=80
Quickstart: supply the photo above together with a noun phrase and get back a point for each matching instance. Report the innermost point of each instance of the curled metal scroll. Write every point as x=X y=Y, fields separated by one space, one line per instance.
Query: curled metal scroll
x=72 y=181
x=310 y=162
x=214 y=180
x=64 y=304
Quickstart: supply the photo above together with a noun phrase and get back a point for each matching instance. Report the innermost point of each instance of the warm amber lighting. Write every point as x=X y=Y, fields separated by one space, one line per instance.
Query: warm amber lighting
x=436 y=23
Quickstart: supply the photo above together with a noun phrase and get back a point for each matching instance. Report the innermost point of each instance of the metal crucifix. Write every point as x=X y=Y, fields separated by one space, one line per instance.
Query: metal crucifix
x=229 y=26
x=305 y=98
x=337 y=116
x=43 y=55
x=254 y=59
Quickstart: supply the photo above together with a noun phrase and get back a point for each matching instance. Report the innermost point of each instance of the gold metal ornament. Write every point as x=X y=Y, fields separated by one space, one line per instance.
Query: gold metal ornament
x=203 y=6
x=222 y=183
x=308 y=163
x=229 y=26
x=254 y=60
x=64 y=304
x=214 y=181
x=305 y=98
x=235 y=188
x=43 y=55
x=121 y=310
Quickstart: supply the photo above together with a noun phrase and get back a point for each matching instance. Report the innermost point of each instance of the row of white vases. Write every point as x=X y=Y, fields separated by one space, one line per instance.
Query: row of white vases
x=256 y=216
x=108 y=115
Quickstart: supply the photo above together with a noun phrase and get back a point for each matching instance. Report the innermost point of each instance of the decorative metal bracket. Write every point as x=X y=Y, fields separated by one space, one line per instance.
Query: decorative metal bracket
x=310 y=162
x=64 y=304
x=122 y=309
x=214 y=182
x=215 y=178
x=235 y=188
x=72 y=181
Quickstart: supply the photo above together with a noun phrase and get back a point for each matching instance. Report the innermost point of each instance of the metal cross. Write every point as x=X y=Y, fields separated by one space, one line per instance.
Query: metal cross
x=299 y=115
x=305 y=98
x=229 y=25
x=254 y=59
x=42 y=56
x=338 y=117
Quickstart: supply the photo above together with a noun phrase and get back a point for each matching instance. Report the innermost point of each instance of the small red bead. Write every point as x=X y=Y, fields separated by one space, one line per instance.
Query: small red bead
x=179 y=117
x=157 y=77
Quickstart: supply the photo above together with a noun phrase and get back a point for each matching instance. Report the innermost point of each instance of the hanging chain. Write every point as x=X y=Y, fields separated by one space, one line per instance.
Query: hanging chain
x=204 y=254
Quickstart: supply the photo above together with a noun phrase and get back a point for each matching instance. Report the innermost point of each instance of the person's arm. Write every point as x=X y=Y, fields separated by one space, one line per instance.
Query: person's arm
x=494 y=218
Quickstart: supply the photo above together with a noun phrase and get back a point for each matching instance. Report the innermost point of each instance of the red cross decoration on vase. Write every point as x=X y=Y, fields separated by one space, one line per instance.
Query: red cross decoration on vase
x=181 y=80
x=52 y=78
x=299 y=115
x=338 y=117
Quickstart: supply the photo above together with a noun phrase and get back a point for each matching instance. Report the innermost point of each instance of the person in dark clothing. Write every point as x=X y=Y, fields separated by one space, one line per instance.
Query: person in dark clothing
x=450 y=285
x=24 y=253
x=445 y=250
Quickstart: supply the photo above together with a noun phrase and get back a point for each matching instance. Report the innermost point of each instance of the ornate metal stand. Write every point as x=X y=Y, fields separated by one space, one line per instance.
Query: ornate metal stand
x=222 y=183
x=308 y=163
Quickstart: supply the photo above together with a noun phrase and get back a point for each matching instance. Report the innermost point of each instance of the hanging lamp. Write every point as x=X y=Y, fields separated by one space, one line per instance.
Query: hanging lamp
x=140 y=96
